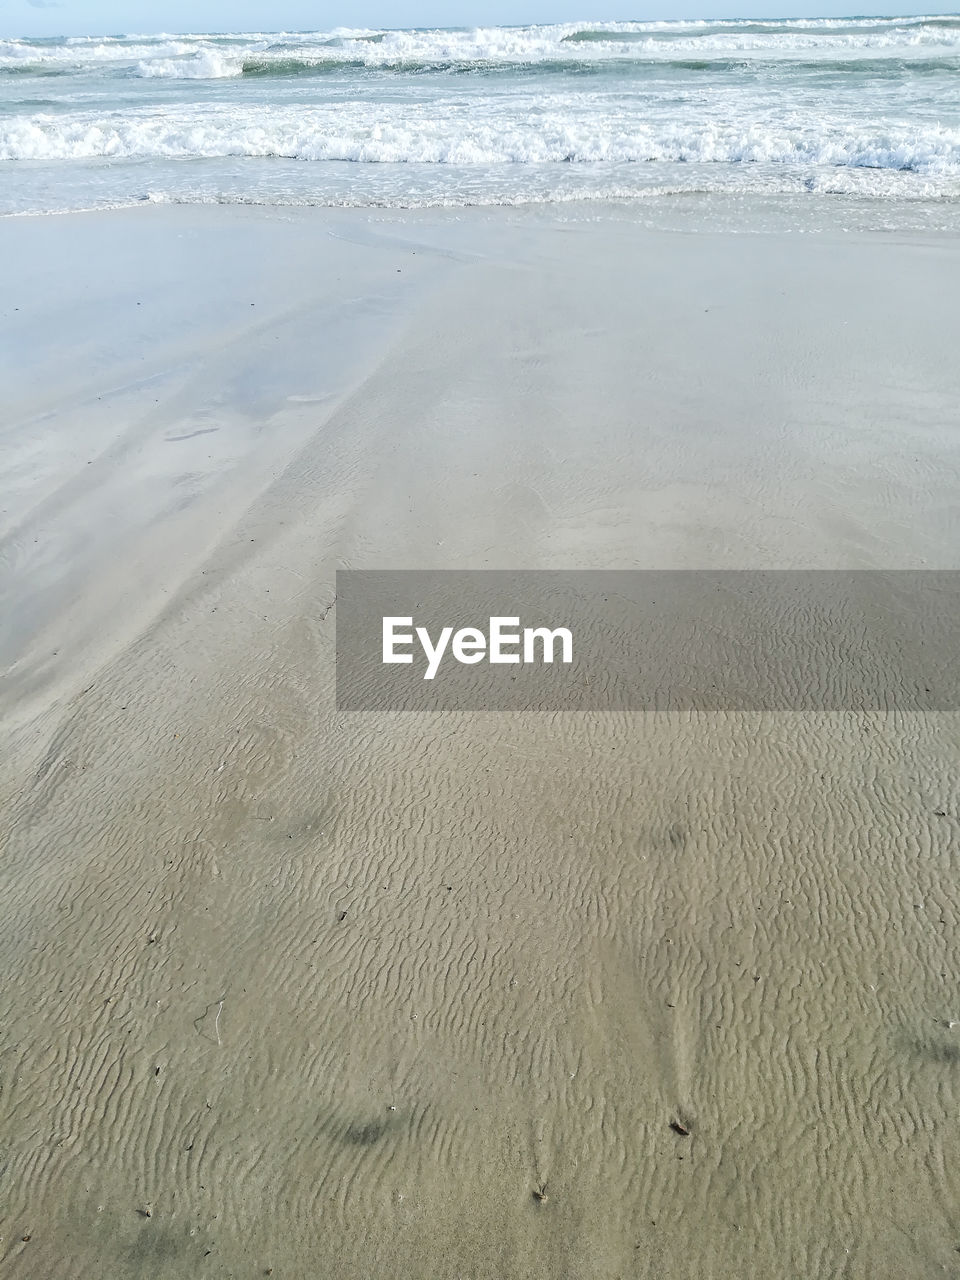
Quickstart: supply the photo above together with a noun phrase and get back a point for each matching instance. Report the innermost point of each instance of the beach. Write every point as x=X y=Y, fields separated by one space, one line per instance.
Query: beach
x=295 y=991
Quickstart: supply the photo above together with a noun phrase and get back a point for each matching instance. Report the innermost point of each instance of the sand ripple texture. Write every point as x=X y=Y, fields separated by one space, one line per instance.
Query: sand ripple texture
x=422 y=996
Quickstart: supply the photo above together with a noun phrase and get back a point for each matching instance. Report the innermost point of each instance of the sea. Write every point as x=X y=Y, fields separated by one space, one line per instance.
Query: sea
x=852 y=122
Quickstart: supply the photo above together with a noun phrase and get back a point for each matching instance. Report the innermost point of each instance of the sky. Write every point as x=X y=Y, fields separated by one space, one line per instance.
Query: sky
x=112 y=17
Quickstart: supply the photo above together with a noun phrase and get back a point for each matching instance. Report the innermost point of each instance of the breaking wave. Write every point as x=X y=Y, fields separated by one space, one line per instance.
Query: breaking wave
x=379 y=135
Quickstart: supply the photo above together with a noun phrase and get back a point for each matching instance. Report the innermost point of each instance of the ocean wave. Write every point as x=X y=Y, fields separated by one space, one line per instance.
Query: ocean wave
x=205 y=64
x=375 y=135
x=217 y=57
x=24 y=54
x=264 y=67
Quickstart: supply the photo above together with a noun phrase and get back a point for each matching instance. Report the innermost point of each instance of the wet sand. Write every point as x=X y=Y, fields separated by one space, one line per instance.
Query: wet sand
x=354 y=995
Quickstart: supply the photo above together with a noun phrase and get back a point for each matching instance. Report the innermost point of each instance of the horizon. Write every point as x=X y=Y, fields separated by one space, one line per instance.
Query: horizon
x=554 y=15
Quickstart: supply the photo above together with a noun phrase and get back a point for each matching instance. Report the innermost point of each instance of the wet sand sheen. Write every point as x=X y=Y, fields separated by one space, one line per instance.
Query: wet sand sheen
x=355 y=995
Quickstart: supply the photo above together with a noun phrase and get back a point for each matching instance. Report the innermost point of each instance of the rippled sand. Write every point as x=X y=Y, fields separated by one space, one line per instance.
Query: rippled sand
x=369 y=995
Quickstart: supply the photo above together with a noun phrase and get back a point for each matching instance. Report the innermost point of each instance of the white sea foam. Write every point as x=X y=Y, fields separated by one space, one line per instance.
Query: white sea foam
x=385 y=135
x=18 y=54
x=205 y=64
